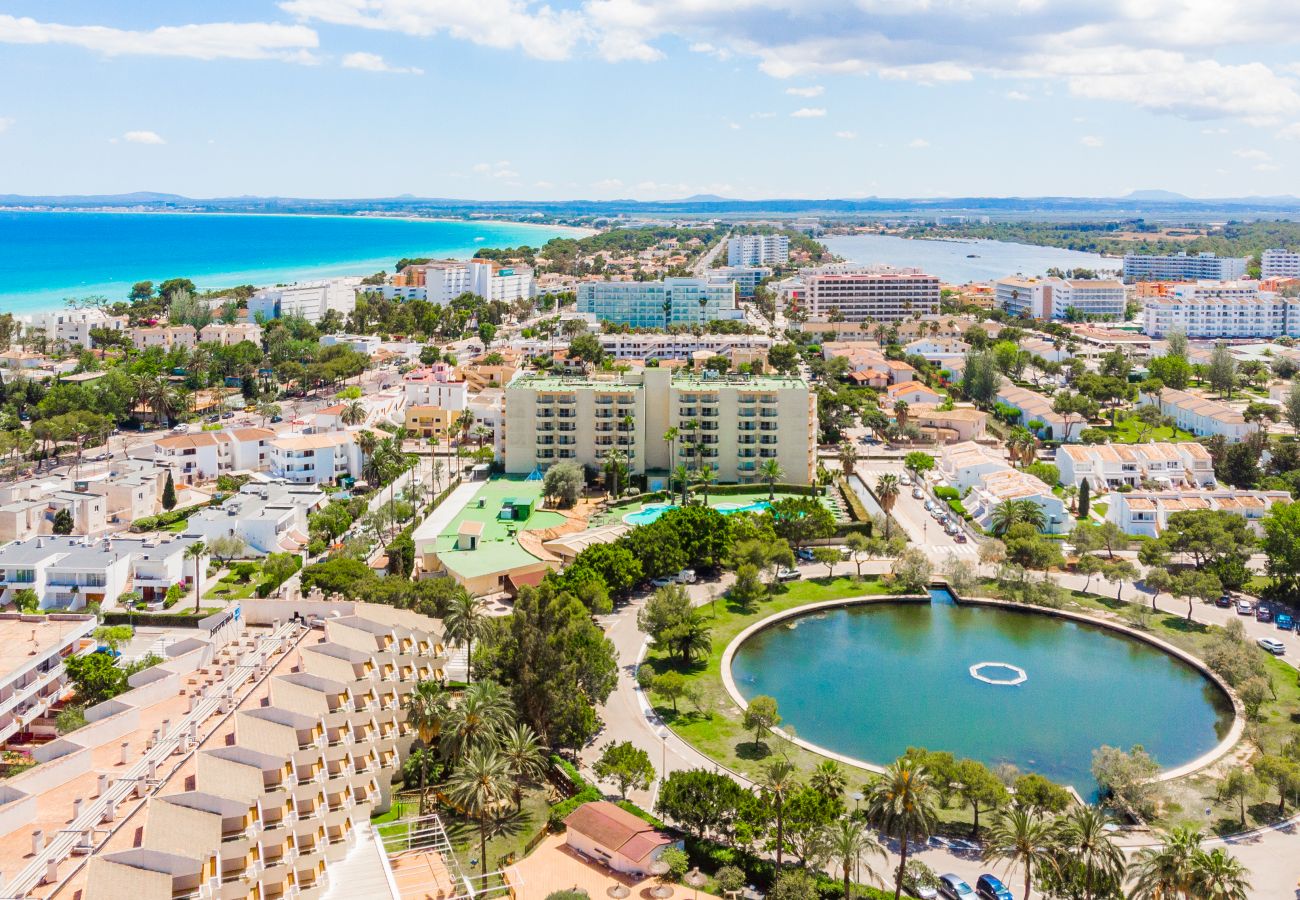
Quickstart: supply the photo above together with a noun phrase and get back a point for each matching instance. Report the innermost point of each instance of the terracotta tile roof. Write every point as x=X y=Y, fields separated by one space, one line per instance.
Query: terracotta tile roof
x=615 y=829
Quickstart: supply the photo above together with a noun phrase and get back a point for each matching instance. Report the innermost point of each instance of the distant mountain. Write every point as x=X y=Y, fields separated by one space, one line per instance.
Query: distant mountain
x=93 y=199
x=704 y=198
x=1165 y=196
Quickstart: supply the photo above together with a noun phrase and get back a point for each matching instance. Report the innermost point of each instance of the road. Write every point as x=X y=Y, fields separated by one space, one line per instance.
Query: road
x=708 y=256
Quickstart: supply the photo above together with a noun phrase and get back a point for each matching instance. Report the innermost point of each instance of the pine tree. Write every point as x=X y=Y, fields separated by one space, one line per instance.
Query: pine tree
x=169 y=493
x=1084 y=493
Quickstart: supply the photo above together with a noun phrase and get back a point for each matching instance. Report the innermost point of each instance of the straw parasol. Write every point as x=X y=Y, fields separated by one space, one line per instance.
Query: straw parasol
x=696 y=879
x=661 y=892
x=659 y=868
x=618 y=891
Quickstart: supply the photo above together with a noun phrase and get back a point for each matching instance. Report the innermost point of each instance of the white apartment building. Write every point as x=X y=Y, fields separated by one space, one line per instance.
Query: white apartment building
x=444 y=280
x=229 y=335
x=270 y=518
x=65 y=572
x=746 y=278
x=488 y=407
x=730 y=424
x=71 y=326
x=1109 y=466
x=659 y=304
x=1148 y=513
x=879 y=293
x=309 y=299
x=1199 y=415
x=1222 y=309
x=1035 y=407
x=1279 y=264
x=682 y=346
x=158 y=562
x=361 y=343
x=985 y=479
x=1181 y=267
x=165 y=336
x=320 y=458
x=28 y=508
x=1060 y=298
x=758 y=249
x=34 y=677
x=206 y=454
x=438 y=385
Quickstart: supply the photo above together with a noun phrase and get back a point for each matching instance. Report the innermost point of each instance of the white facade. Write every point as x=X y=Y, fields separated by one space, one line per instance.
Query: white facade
x=205 y=455
x=1279 y=264
x=438 y=385
x=758 y=249
x=361 y=343
x=1148 y=513
x=65 y=572
x=1181 y=267
x=658 y=304
x=880 y=293
x=1222 y=309
x=32 y=686
x=229 y=335
x=309 y=299
x=72 y=326
x=746 y=278
x=445 y=280
x=1106 y=466
x=1060 y=298
x=316 y=458
x=488 y=408
x=1201 y=416
x=271 y=518
x=681 y=346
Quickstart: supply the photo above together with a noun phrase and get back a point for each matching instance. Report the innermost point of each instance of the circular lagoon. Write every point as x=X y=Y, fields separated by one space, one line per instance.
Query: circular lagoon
x=868 y=681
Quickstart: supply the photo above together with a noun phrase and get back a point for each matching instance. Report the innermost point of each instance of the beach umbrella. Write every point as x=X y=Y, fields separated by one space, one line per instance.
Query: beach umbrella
x=662 y=892
x=659 y=867
x=618 y=891
x=696 y=879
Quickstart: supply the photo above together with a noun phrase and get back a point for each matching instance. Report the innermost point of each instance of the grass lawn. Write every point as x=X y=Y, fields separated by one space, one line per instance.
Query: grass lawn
x=1128 y=431
x=229 y=587
x=514 y=828
x=1187 y=799
x=714 y=727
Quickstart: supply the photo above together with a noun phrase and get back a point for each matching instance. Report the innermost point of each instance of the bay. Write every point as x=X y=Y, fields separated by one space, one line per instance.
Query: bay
x=959 y=262
x=48 y=256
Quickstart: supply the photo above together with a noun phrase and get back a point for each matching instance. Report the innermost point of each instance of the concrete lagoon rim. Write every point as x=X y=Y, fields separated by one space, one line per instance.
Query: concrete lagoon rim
x=1220 y=749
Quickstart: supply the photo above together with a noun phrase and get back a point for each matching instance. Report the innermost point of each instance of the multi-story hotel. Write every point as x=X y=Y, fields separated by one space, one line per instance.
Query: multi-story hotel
x=757 y=249
x=1279 y=264
x=1221 y=309
x=659 y=304
x=309 y=299
x=878 y=293
x=730 y=424
x=444 y=280
x=32 y=675
x=1181 y=267
x=1060 y=298
x=746 y=278
x=683 y=346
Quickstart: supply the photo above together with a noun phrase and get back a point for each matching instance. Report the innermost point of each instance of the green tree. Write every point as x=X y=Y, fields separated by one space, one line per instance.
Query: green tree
x=778 y=781
x=427 y=708
x=195 y=552
x=625 y=765
x=96 y=678
x=563 y=481
x=847 y=842
x=748 y=589
x=1219 y=876
x=978 y=787
x=1084 y=494
x=466 y=622
x=760 y=716
x=63 y=523
x=770 y=472
x=1283 y=774
x=1019 y=837
x=902 y=803
x=1165 y=872
x=476 y=787
x=169 y=493
x=888 y=488
x=981 y=378
x=26 y=600
x=1084 y=841
x=1222 y=370
x=801 y=520
x=1238 y=786
x=1125 y=777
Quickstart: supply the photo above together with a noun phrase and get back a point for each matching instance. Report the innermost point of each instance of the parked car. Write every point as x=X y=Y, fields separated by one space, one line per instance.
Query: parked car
x=685 y=576
x=275 y=419
x=960 y=537
x=180 y=429
x=787 y=574
x=1263 y=614
x=1245 y=608
x=662 y=582
x=929 y=506
x=1272 y=645
x=952 y=887
x=990 y=887
x=1224 y=601
x=916 y=493
x=227 y=415
x=212 y=418
x=1284 y=621
x=805 y=554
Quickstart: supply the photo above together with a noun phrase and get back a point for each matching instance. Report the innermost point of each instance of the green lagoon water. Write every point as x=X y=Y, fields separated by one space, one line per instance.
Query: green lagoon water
x=869 y=681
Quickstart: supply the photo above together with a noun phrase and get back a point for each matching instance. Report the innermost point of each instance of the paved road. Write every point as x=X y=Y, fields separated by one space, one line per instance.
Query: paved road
x=708 y=256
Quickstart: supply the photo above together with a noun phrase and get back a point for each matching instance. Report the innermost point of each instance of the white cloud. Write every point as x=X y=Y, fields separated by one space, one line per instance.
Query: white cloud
x=918 y=143
x=1266 y=167
x=499 y=169
x=215 y=40
x=846 y=135
x=5 y=122
x=815 y=90
x=373 y=62
x=1252 y=153
x=734 y=126
x=1091 y=140
x=540 y=31
x=1018 y=96
x=609 y=184
x=544 y=185
x=808 y=112
x=1214 y=131
x=143 y=137
x=1290 y=132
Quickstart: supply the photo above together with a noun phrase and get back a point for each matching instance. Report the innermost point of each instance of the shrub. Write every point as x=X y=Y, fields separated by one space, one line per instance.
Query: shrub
x=174 y=594
x=677 y=861
x=944 y=492
x=70 y=718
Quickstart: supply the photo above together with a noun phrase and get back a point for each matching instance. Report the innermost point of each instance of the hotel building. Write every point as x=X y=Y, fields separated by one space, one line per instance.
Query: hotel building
x=444 y=280
x=758 y=249
x=729 y=424
x=309 y=299
x=33 y=650
x=746 y=278
x=1279 y=264
x=1060 y=298
x=1181 y=267
x=659 y=304
x=1221 y=309
x=880 y=293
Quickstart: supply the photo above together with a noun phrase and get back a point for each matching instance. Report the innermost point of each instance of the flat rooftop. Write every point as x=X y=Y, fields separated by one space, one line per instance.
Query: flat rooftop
x=24 y=641
x=498 y=550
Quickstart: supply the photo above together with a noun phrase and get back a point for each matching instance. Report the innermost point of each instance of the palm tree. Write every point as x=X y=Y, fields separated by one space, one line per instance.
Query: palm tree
x=1218 y=876
x=482 y=713
x=1016 y=512
x=848 y=455
x=692 y=637
x=670 y=438
x=465 y=622
x=848 y=841
x=427 y=708
x=901 y=803
x=354 y=413
x=1019 y=837
x=887 y=489
x=828 y=779
x=367 y=443
x=682 y=475
x=481 y=782
x=417 y=769
x=1165 y=873
x=615 y=460
x=523 y=755
x=900 y=413
x=702 y=476
x=771 y=472
x=1083 y=837
x=780 y=779
x=195 y=551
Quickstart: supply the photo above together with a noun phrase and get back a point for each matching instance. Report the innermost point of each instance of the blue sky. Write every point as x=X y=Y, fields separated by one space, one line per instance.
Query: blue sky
x=650 y=99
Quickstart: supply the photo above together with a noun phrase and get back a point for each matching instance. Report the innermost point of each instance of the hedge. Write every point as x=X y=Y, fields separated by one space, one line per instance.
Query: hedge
x=156 y=620
x=944 y=492
x=854 y=503
x=724 y=490
x=153 y=523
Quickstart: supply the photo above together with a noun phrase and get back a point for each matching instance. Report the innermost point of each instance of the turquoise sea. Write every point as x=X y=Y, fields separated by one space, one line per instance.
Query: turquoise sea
x=48 y=256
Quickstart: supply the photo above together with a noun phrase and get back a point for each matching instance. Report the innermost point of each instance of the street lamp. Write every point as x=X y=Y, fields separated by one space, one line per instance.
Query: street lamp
x=663 y=759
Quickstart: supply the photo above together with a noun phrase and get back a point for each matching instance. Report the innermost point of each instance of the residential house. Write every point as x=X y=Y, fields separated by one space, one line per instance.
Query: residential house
x=965 y=464
x=612 y=836
x=164 y=336
x=227 y=335
x=1108 y=466
x=950 y=426
x=1201 y=416
x=438 y=385
x=1147 y=513
x=430 y=422
x=270 y=518
x=1010 y=484
x=34 y=677
x=65 y=572
x=204 y=455
x=910 y=392
x=28 y=508
x=1034 y=406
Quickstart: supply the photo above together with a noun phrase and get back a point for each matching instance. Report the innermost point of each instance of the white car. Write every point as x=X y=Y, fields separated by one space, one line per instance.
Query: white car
x=685 y=576
x=1273 y=645
x=787 y=574
x=916 y=493
x=181 y=429
x=905 y=480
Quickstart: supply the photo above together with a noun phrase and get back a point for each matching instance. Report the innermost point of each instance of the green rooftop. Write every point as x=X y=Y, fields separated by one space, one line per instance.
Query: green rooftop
x=497 y=549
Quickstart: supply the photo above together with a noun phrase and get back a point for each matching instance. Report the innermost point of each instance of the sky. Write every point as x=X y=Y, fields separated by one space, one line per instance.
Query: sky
x=650 y=99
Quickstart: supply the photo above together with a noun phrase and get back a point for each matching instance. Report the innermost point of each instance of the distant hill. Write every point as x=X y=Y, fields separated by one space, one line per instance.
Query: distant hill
x=137 y=197
x=1164 y=196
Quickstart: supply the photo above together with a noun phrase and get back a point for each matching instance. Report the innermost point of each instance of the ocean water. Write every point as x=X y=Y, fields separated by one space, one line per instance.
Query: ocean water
x=48 y=256
x=958 y=262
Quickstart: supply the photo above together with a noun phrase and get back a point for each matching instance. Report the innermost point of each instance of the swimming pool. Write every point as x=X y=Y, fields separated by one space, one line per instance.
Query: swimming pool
x=651 y=512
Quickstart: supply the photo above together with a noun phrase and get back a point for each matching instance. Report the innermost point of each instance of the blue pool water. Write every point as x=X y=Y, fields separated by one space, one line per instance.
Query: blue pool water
x=652 y=512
